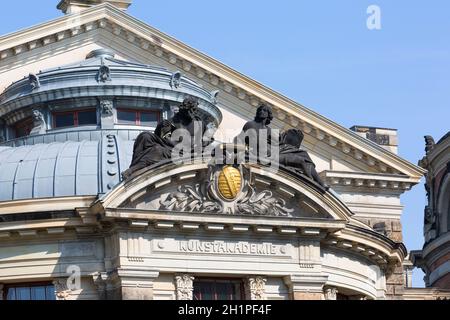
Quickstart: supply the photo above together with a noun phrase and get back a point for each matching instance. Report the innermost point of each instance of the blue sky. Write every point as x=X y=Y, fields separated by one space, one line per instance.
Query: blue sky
x=321 y=54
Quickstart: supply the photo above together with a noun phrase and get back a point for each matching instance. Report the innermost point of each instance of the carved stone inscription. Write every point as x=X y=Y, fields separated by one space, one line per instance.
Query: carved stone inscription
x=232 y=248
x=222 y=247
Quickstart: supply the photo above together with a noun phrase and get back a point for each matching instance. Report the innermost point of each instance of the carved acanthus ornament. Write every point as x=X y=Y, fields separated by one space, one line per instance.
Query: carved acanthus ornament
x=184 y=287
x=257 y=288
x=227 y=191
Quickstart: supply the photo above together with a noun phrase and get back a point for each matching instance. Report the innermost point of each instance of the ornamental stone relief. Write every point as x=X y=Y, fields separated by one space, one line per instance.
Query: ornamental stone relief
x=184 y=287
x=257 y=288
x=229 y=191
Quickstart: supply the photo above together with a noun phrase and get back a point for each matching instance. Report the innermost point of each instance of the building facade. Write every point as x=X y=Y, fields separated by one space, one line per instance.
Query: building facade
x=85 y=86
x=434 y=258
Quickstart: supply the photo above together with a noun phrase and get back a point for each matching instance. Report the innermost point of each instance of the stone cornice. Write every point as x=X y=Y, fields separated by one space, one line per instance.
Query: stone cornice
x=214 y=222
x=382 y=248
x=45 y=204
x=372 y=181
x=215 y=72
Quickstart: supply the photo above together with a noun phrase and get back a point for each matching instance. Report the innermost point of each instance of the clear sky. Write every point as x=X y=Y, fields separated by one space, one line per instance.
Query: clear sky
x=321 y=54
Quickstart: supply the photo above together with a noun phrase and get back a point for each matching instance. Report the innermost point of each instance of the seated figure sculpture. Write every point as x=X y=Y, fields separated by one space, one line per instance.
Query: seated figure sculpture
x=151 y=148
x=292 y=157
x=252 y=131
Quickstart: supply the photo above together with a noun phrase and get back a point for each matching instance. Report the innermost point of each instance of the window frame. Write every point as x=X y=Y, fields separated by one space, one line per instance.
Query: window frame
x=30 y=285
x=75 y=117
x=137 y=115
x=240 y=295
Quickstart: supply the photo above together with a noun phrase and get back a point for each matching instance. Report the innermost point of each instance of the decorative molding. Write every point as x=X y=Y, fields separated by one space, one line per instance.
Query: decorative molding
x=386 y=181
x=184 y=287
x=257 y=288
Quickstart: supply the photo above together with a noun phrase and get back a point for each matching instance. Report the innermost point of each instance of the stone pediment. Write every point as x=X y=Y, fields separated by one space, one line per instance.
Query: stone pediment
x=203 y=189
x=136 y=41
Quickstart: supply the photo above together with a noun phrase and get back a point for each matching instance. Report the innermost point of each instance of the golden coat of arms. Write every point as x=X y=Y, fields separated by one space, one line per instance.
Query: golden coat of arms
x=229 y=182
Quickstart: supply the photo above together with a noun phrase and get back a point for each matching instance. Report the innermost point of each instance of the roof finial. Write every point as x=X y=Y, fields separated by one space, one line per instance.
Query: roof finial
x=74 y=6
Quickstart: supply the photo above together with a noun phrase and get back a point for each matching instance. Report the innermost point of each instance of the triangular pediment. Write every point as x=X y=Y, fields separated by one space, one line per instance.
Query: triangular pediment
x=70 y=38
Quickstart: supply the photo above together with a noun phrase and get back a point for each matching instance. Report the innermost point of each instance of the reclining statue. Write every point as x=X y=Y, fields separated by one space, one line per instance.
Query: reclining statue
x=294 y=158
x=151 y=148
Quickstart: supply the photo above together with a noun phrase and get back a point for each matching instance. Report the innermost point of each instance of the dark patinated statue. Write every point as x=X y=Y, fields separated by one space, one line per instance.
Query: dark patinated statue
x=292 y=157
x=151 y=148
x=252 y=130
x=429 y=144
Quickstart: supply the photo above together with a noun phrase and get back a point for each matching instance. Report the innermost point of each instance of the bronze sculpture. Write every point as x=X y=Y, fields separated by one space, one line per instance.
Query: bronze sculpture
x=151 y=148
x=294 y=158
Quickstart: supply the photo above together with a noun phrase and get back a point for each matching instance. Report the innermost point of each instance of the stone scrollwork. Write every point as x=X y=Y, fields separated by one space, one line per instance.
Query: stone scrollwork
x=62 y=292
x=263 y=203
x=227 y=191
x=184 y=287
x=257 y=288
x=191 y=199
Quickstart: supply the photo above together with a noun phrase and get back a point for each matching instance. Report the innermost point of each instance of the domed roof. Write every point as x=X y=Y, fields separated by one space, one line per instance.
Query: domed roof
x=101 y=74
x=59 y=169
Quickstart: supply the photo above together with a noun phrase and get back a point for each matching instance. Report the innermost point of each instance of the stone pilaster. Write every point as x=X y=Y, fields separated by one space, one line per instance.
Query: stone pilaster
x=131 y=284
x=306 y=286
x=1 y=292
x=330 y=293
x=184 y=287
x=256 y=288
